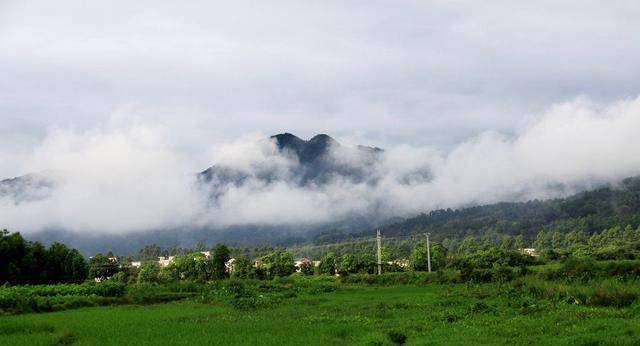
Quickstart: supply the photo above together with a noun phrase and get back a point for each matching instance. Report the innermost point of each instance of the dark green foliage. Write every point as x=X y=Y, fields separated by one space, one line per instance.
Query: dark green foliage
x=243 y=268
x=419 y=260
x=101 y=267
x=277 y=264
x=150 y=252
x=490 y=257
x=149 y=273
x=587 y=269
x=221 y=254
x=23 y=262
x=351 y=263
x=196 y=266
x=601 y=292
x=67 y=338
x=398 y=338
x=586 y=212
x=329 y=264
x=44 y=298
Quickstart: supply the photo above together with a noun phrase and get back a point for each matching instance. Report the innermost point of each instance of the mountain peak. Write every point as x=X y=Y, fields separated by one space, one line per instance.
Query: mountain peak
x=322 y=138
x=316 y=163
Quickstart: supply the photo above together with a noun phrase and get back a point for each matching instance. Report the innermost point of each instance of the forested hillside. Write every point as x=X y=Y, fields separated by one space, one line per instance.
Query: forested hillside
x=588 y=212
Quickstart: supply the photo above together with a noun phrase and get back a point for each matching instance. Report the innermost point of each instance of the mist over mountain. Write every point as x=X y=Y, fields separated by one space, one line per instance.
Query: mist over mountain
x=317 y=161
x=130 y=182
x=27 y=188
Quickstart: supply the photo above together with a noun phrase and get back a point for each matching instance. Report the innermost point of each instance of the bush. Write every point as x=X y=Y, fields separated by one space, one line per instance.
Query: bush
x=603 y=293
x=397 y=338
x=588 y=269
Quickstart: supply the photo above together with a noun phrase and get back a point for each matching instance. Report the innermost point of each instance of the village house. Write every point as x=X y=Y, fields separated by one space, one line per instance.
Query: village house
x=403 y=263
x=164 y=261
x=229 y=265
x=302 y=261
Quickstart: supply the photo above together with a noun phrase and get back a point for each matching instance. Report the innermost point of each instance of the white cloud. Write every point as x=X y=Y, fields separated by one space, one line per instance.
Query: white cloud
x=132 y=177
x=423 y=73
x=454 y=91
x=108 y=180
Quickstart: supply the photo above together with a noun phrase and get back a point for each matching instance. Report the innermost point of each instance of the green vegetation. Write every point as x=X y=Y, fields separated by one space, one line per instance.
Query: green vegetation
x=582 y=288
x=323 y=310
x=23 y=262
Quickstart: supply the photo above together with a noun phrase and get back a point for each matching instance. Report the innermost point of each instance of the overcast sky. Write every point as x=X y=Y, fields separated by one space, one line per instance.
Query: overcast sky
x=124 y=100
x=374 y=72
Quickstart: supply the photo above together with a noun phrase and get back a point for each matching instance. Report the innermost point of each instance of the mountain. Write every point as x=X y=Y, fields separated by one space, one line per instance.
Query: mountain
x=316 y=161
x=27 y=188
x=322 y=160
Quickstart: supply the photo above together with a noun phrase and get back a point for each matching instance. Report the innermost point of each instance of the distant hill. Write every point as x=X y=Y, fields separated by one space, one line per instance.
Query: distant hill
x=589 y=211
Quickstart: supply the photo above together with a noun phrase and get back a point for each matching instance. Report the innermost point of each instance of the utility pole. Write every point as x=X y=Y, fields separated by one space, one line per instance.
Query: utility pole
x=428 y=254
x=378 y=240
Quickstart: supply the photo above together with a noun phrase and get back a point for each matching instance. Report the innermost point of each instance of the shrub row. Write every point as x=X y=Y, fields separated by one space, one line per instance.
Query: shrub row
x=44 y=298
x=584 y=270
x=607 y=292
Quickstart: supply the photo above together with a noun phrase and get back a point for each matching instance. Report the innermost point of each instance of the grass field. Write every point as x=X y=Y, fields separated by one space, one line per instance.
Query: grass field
x=352 y=314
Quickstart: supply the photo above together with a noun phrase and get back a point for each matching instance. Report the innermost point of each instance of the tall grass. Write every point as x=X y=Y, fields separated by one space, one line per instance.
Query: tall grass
x=606 y=292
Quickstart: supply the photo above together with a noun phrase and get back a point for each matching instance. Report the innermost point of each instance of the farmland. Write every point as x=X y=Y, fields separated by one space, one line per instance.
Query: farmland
x=329 y=311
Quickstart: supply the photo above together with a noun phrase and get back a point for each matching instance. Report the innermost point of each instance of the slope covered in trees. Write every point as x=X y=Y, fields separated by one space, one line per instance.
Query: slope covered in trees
x=588 y=212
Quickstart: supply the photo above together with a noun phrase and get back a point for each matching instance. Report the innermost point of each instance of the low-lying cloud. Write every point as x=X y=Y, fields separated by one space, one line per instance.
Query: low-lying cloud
x=133 y=177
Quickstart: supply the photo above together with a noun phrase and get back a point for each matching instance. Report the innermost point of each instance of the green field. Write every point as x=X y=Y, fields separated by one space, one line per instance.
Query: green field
x=351 y=314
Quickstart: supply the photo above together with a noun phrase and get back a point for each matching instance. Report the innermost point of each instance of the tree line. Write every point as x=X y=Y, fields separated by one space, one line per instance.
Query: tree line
x=26 y=262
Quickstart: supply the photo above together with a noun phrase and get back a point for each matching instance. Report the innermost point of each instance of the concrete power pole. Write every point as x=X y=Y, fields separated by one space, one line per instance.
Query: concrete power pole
x=378 y=240
x=428 y=254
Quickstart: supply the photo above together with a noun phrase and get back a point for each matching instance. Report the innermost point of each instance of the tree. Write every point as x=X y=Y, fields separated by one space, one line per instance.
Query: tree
x=507 y=242
x=557 y=240
x=23 y=262
x=12 y=249
x=329 y=264
x=450 y=244
x=278 y=263
x=575 y=238
x=100 y=267
x=193 y=266
x=76 y=267
x=221 y=255
x=490 y=237
x=150 y=252
x=419 y=257
x=349 y=264
x=149 y=273
x=242 y=268
x=55 y=259
x=541 y=241
x=33 y=263
x=468 y=246
x=519 y=242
